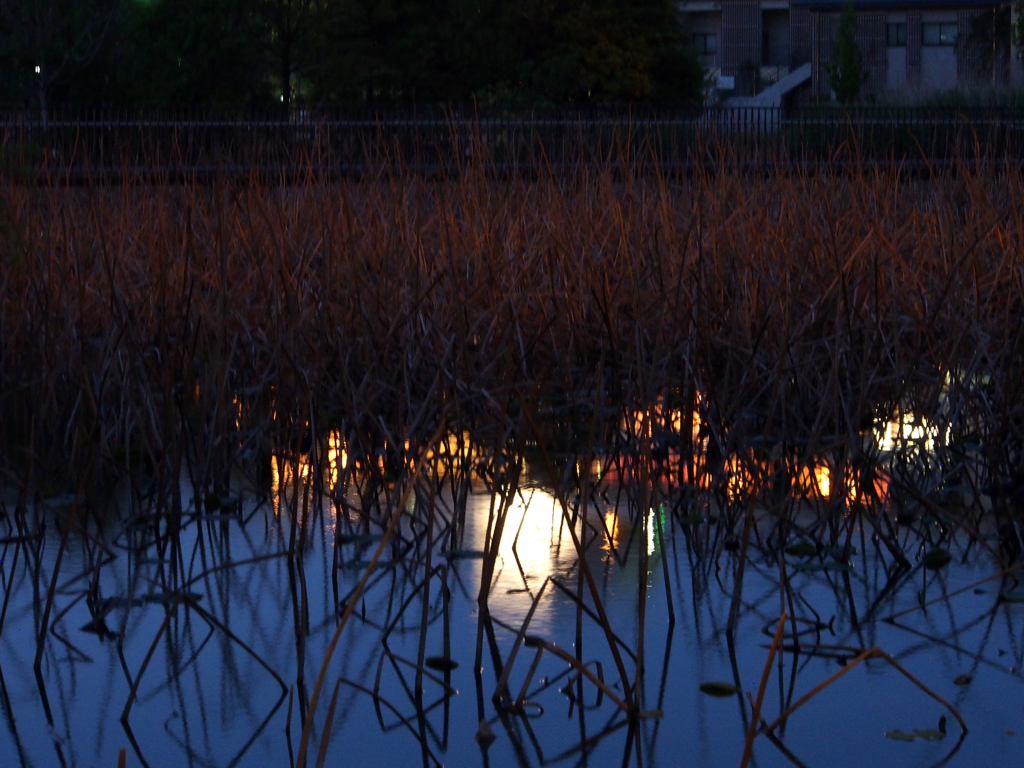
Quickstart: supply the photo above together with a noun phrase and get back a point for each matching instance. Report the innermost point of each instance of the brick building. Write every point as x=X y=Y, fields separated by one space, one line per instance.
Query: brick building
x=752 y=43
x=909 y=46
x=912 y=46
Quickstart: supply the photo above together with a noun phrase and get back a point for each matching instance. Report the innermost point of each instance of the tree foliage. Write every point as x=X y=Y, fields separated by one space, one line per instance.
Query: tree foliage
x=191 y=52
x=846 y=72
x=42 y=41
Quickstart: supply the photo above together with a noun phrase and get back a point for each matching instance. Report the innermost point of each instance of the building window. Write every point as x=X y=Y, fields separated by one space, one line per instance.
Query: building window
x=939 y=34
x=896 y=35
x=705 y=44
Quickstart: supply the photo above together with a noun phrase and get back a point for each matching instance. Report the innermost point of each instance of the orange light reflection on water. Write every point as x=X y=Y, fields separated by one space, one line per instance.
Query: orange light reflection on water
x=283 y=472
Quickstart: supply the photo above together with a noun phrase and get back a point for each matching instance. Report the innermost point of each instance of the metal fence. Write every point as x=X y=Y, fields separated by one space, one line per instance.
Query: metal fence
x=109 y=144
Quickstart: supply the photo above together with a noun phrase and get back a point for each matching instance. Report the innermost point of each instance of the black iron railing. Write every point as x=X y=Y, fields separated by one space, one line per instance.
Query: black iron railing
x=448 y=140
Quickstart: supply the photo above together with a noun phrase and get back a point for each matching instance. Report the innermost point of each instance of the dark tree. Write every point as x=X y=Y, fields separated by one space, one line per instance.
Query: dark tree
x=47 y=40
x=188 y=52
x=528 y=52
x=846 y=73
x=291 y=38
x=601 y=50
x=232 y=52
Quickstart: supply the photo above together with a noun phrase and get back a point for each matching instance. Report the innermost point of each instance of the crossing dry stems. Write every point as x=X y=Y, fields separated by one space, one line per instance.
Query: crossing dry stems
x=740 y=339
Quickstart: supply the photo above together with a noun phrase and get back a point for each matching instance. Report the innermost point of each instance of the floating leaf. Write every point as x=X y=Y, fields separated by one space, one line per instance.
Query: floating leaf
x=1012 y=596
x=484 y=735
x=166 y=598
x=719 y=689
x=900 y=735
x=925 y=734
x=121 y=602
x=815 y=567
x=936 y=559
x=357 y=539
x=802 y=549
x=532 y=641
x=651 y=714
x=840 y=553
x=98 y=626
x=60 y=500
x=440 y=663
x=962 y=679
x=464 y=554
x=692 y=520
x=218 y=518
x=353 y=565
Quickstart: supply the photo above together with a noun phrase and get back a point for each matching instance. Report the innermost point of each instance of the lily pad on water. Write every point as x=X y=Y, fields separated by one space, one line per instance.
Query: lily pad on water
x=218 y=518
x=61 y=500
x=485 y=735
x=360 y=538
x=353 y=565
x=167 y=598
x=719 y=689
x=962 y=679
x=815 y=567
x=840 y=553
x=1012 y=596
x=440 y=663
x=802 y=549
x=925 y=734
x=936 y=559
x=464 y=554
x=900 y=735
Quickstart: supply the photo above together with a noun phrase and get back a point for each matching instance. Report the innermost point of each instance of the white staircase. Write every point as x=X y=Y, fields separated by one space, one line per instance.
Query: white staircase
x=772 y=95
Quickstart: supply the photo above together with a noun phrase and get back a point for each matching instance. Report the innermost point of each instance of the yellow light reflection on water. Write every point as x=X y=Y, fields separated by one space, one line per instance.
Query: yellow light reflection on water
x=907 y=429
x=615 y=535
x=651 y=532
x=535 y=515
x=283 y=468
x=670 y=419
x=619 y=530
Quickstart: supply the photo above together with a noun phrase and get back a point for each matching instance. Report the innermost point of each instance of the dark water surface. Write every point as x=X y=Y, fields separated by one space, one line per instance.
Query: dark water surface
x=205 y=699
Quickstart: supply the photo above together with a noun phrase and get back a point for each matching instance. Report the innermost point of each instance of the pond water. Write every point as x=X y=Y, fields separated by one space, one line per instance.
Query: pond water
x=215 y=636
